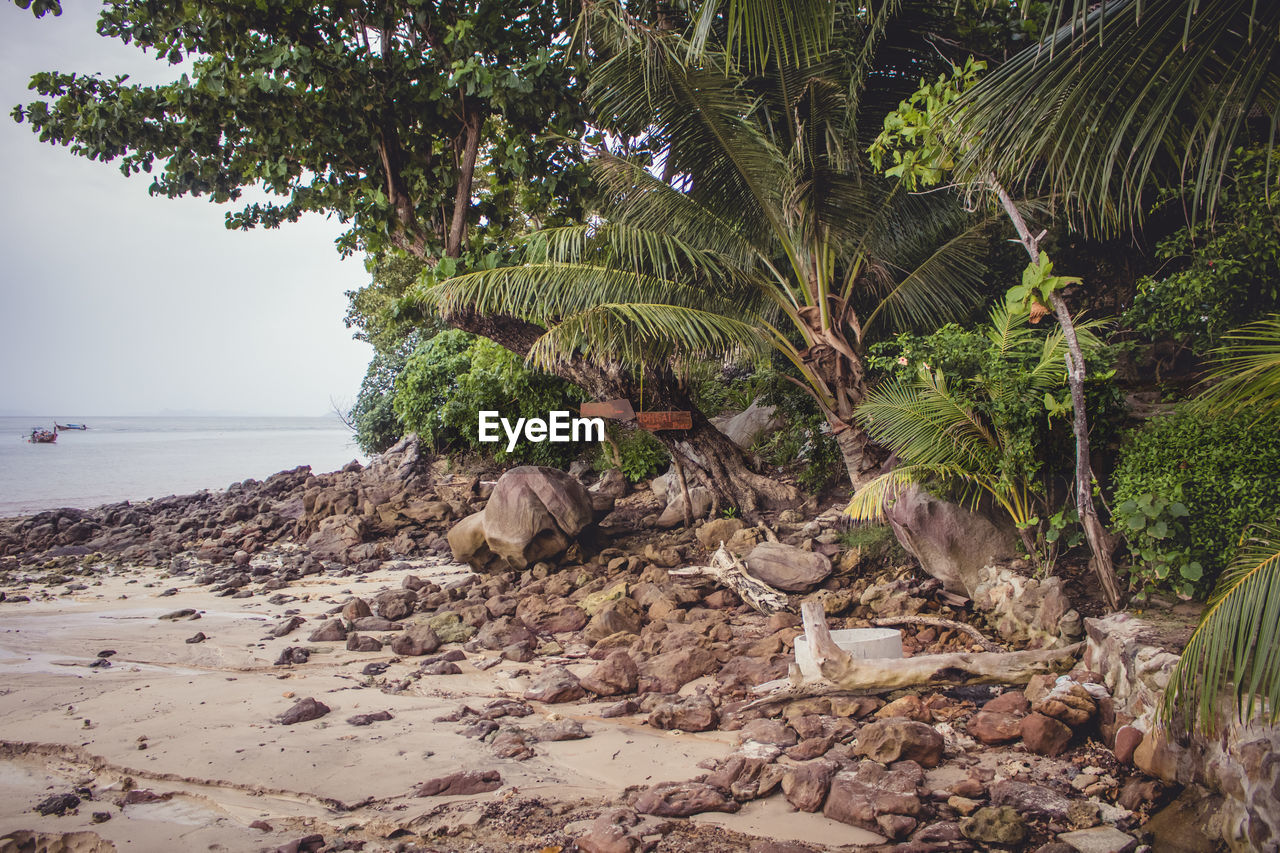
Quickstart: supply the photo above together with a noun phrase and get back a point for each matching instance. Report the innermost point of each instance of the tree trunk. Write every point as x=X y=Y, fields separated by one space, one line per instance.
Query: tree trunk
x=1099 y=542
x=863 y=458
x=466 y=175
x=717 y=462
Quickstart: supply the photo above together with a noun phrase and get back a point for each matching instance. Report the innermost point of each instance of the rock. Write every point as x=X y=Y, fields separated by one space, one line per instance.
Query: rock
x=910 y=707
x=1071 y=705
x=668 y=672
x=619 y=616
x=559 y=730
x=357 y=643
x=199 y=637
x=306 y=844
x=450 y=628
x=766 y=730
x=888 y=741
x=512 y=745
x=336 y=536
x=304 y=710
x=1010 y=702
x=681 y=799
x=467 y=542
x=460 y=783
x=858 y=797
x=185 y=613
x=441 y=667
x=673 y=516
x=1032 y=612
x=995 y=727
x=293 y=655
x=506 y=631
x=331 y=631
x=416 y=641
x=287 y=626
x=1185 y=825
x=607 y=491
x=534 y=513
x=555 y=685
x=396 y=604
x=1030 y=800
x=786 y=567
x=608 y=834
x=369 y=719
x=692 y=714
x=992 y=825
x=952 y=543
x=806 y=785
x=553 y=619
x=1044 y=735
x=718 y=530
x=1127 y=740
x=375 y=623
x=1099 y=839
x=58 y=804
x=616 y=675
x=356 y=608
x=596 y=600
x=749 y=424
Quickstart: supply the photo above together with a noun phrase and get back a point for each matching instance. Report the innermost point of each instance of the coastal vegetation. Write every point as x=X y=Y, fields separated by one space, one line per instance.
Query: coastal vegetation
x=876 y=250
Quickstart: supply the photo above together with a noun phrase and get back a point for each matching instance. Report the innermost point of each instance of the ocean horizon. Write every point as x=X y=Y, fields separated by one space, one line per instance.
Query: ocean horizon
x=139 y=458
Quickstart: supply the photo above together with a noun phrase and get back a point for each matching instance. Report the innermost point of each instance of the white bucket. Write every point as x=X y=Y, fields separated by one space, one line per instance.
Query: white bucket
x=861 y=643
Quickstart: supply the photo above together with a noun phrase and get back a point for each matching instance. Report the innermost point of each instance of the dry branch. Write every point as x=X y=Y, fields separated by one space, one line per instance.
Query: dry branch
x=839 y=668
x=729 y=571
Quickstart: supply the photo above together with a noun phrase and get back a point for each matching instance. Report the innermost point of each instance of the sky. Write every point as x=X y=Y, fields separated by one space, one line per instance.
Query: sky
x=116 y=303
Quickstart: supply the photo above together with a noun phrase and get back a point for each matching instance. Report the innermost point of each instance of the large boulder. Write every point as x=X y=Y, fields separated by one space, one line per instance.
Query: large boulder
x=467 y=541
x=749 y=424
x=336 y=535
x=952 y=543
x=786 y=567
x=534 y=513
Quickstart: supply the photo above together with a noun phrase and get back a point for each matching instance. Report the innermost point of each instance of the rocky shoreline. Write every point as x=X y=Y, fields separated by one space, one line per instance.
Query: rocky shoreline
x=393 y=658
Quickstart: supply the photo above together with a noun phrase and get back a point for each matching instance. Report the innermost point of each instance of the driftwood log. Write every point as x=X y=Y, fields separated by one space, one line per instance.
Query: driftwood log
x=728 y=570
x=838 y=666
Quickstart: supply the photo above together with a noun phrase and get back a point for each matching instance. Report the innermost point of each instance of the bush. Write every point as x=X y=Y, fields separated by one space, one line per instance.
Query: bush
x=1186 y=486
x=373 y=415
x=452 y=377
x=640 y=455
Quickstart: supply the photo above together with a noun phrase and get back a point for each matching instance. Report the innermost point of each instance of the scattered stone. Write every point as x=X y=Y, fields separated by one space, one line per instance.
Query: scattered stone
x=786 y=567
x=441 y=667
x=331 y=631
x=616 y=675
x=681 y=799
x=555 y=685
x=287 y=626
x=909 y=707
x=1072 y=705
x=893 y=740
x=460 y=783
x=58 y=804
x=1099 y=839
x=369 y=719
x=186 y=614
x=1044 y=735
x=995 y=727
x=695 y=713
x=1030 y=800
x=511 y=744
x=303 y=711
x=293 y=655
x=306 y=844
x=357 y=643
x=356 y=608
x=858 y=797
x=995 y=825
x=417 y=641
x=559 y=730
x=198 y=638
x=806 y=785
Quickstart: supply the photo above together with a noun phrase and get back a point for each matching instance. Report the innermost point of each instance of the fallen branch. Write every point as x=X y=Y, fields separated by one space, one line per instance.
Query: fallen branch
x=729 y=571
x=938 y=622
x=839 y=668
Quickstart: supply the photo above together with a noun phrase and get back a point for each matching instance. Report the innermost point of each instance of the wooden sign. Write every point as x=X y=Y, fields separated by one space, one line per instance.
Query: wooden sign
x=654 y=421
x=619 y=410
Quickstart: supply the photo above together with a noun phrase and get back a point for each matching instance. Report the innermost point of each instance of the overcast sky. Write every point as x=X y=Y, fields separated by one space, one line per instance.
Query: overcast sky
x=116 y=303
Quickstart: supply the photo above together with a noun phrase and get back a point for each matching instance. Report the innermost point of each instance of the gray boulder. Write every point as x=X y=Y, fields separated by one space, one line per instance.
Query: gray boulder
x=534 y=513
x=786 y=567
x=952 y=543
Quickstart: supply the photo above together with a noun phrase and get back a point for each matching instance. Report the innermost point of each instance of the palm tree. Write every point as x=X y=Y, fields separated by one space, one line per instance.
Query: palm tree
x=764 y=230
x=958 y=441
x=1127 y=93
x=1238 y=637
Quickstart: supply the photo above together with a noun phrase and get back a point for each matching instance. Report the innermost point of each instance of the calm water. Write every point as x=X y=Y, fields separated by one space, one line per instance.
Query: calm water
x=137 y=458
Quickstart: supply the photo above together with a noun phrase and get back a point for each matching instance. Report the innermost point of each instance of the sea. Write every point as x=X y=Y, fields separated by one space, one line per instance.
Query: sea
x=118 y=459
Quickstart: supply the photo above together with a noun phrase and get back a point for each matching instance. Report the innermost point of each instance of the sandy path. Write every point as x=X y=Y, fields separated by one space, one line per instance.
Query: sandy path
x=203 y=712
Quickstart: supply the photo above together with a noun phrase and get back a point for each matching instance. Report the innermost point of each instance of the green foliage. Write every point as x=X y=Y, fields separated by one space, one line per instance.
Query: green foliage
x=915 y=135
x=40 y=8
x=869 y=538
x=1227 y=272
x=1185 y=487
x=373 y=415
x=640 y=456
x=981 y=432
x=1038 y=284
x=1237 y=640
x=1246 y=371
x=453 y=376
x=364 y=111
x=372 y=310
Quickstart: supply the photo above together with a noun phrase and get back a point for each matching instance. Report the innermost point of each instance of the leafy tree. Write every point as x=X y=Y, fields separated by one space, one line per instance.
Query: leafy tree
x=373 y=415
x=436 y=127
x=765 y=229
x=375 y=310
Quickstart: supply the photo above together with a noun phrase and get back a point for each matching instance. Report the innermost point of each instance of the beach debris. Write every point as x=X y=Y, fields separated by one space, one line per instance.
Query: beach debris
x=304 y=710
x=58 y=804
x=725 y=568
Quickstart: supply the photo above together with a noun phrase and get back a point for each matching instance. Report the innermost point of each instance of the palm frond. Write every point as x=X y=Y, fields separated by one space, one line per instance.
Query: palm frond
x=1181 y=80
x=926 y=425
x=635 y=334
x=1236 y=642
x=871 y=499
x=1246 y=371
x=758 y=33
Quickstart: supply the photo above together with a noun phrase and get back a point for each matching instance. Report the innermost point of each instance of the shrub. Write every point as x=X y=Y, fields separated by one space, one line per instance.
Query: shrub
x=639 y=455
x=1185 y=488
x=373 y=415
x=453 y=376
